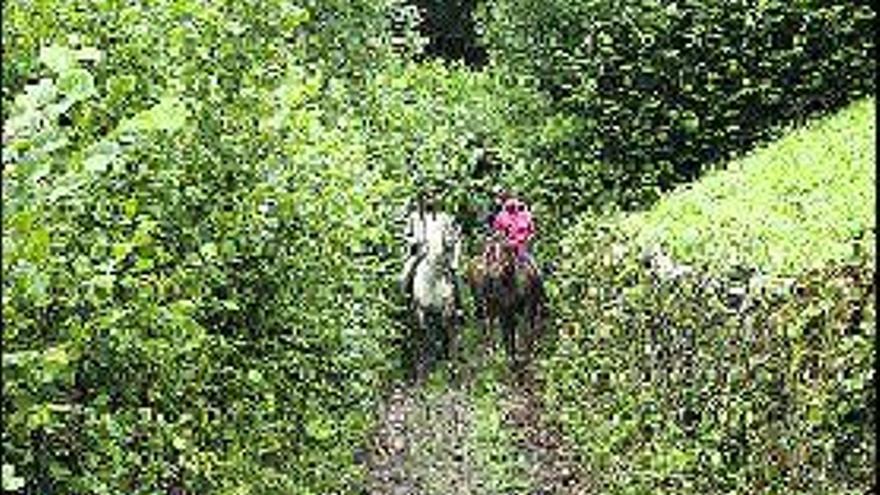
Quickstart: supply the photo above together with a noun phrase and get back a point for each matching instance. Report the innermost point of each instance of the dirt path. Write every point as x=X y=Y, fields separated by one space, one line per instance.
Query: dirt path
x=552 y=461
x=486 y=435
x=420 y=447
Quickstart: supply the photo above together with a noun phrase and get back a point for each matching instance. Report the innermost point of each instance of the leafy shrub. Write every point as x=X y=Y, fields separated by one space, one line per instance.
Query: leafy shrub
x=736 y=372
x=791 y=205
x=653 y=92
x=214 y=49
x=436 y=123
x=192 y=297
x=199 y=219
x=708 y=383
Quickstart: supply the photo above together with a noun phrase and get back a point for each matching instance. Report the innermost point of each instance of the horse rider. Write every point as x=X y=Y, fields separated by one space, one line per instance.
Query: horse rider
x=423 y=205
x=515 y=223
x=427 y=203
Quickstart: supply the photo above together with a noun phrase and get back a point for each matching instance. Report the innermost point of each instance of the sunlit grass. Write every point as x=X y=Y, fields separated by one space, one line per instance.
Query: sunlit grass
x=792 y=205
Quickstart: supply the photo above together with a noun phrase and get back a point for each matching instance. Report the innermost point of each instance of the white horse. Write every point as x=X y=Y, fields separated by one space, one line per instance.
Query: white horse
x=438 y=239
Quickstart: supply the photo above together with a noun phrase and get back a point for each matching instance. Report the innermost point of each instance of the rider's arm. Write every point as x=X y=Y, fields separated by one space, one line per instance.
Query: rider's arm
x=499 y=222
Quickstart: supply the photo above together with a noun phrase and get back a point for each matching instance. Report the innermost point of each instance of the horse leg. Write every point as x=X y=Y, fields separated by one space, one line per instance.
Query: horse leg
x=538 y=316
x=435 y=339
x=454 y=333
x=450 y=325
x=485 y=318
x=443 y=333
x=530 y=333
x=488 y=328
x=494 y=326
x=411 y=341
x=494 y=321
x=538 y=305
x=420 y=345
x=508 y=328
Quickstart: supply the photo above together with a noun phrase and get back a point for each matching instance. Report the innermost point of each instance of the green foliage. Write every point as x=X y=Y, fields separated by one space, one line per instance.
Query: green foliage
x=193 y=298
x=787 y=207
x=200 y=204
x=650 y=93
x=744 y=374
x=430 y=122
x=707 y=385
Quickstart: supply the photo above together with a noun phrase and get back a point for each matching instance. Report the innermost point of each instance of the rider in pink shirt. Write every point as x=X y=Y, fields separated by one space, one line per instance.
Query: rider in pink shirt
x=515 y=222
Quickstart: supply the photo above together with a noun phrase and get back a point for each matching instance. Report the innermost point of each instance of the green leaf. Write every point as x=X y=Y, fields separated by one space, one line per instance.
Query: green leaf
x=121 y=250
x=11 y=482
x=230 y=305
x=319 y=428
x=178 y=442
x=78 y=84
x=183 y=307
x=97 y=163
x=104 y=281
x=58 y=58
x=209 y=250
x=169 y=115
x=39 y=416
x=254 y=376
x=37 y=95
x=130 y=208
x=144 y=233
x=40 y=243
x=101 y=156
x=119 y=86
x=20 y=357
x=57 y=354
x=60 y=408
x=89 y=53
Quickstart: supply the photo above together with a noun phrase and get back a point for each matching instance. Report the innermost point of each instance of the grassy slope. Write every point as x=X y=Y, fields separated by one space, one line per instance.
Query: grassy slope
x=792 y=204
x=789 y=206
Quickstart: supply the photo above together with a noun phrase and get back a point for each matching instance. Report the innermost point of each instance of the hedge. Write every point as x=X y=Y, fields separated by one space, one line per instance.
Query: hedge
x=791 y=205
x=704 y=349
x=192 y=301
x=689 y=381
x=654 y=92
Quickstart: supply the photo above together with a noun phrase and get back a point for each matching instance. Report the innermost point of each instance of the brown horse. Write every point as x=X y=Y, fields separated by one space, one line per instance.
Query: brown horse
x=505 y=291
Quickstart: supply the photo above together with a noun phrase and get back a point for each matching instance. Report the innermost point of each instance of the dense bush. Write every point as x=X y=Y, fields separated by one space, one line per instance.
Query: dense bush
x=438 y=124
x=715 y=383
x=200 y=205
x=722 y=341
x=656 y=91
x=192 y=298
x=789 y=206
